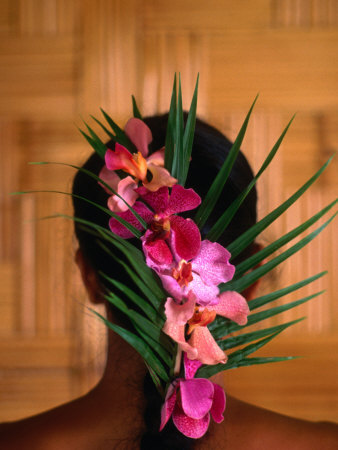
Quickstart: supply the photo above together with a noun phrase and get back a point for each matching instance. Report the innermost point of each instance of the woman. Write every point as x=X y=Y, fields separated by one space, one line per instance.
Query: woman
x=123 y=410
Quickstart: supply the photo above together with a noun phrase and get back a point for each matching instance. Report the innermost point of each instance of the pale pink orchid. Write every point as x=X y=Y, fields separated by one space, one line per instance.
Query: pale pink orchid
x=190 y=401
x=201 y=274
x=201 y=344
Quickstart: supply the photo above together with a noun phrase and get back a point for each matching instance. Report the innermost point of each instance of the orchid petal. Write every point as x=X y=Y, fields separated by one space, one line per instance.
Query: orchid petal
x=208 y=351
x=218 y=405
x=179 y=314
x=185 y=238
x=109 y=177
x=190 y=366
x=176 y=332
x=192 y=428
x=171 y=286
x=157 y=201
x=232 y=305
x=161 y=177
x=197 y=396
x=118 y=159
x=168 y=406
x=122 y=159
x=205 y=295
x=119 y=229
x=212 y=263
x=182 y=199
x=158 y=251
x=126 y=189
x=157 y=158
x=139 y=133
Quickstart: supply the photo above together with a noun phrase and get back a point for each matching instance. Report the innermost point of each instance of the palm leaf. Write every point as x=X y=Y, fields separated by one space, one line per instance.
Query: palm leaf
x=139 y=345
x=136 y=111
x=235 y=357
x=243 y=241
x=130 y=227
x=120 y=135
x=218 y=228
x=245 y=338
x=138 y=301
x=259 y=360
x=231 y=327
x=272 y=296
x=154 y=332
x=170 y=134
x=216 y=188
x=253 y=260
x=249 y=278
x=188 y=137
x=96 y=145
x=178 y=159
x=104 y=128
x=99 y=180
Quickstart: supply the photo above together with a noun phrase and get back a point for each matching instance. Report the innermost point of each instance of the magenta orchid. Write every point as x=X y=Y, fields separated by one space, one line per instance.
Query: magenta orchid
x=190 y=401
x=167 y=230
x=202 y=345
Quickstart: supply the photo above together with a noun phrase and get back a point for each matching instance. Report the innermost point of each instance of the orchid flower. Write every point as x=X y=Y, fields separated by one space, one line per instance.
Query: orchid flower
x=136 y=165
x=167 y=230
x=201 y=275
x=190 y=401
x=202 y=345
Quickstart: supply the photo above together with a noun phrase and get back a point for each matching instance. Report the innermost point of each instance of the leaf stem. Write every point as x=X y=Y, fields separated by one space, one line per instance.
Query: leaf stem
x=178 y=359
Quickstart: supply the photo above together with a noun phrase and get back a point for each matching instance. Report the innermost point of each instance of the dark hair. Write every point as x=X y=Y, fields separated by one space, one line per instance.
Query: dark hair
x=210 y=149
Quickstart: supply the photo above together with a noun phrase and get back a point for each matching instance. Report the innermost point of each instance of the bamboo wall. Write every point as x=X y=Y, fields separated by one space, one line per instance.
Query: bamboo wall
x=63 y=59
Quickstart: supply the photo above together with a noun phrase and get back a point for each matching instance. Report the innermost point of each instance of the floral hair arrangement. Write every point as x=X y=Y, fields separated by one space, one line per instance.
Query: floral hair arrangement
x=191 y=302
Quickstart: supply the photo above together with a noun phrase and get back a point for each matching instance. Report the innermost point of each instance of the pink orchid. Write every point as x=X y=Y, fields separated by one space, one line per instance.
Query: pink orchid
x=167 y=230
x=201 y=275
x=190 y=401
x=202 y=345
x=125 y=188
x=138 y=164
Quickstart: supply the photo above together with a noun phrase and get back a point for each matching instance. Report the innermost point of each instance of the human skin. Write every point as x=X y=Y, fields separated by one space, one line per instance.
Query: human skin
x=111 y=415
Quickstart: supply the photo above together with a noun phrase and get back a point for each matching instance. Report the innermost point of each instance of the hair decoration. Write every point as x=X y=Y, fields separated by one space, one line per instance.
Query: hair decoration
x=189 y=302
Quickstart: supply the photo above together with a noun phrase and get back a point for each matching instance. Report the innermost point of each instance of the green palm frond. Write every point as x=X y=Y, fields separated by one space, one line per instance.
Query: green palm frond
x=136 y=111
x=210 y=200
x=221 y=224
x=243 y=241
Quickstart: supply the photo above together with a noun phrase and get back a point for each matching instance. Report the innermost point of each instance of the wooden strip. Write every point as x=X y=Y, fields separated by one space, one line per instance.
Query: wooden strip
x=32 y=352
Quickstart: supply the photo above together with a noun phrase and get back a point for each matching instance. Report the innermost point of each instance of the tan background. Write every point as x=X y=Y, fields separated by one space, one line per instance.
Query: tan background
x=63 y=59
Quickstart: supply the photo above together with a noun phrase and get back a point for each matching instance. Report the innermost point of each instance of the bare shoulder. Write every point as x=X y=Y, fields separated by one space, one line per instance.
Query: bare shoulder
x=253 y=428
x=84 y=424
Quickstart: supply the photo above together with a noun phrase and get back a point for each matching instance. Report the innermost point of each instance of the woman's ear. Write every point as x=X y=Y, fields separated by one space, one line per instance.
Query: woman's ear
x=89 y=278
x=250 y=292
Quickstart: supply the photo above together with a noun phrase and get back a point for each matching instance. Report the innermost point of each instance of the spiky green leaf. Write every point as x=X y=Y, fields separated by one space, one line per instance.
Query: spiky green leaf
x=139 y=345
x=245 y=338
x=170 y=134
x=243 y=241
x=218 y=228
x=136 y=111
x=249 y=278
x=255 y=259
x=217 y=186
x=188 y=137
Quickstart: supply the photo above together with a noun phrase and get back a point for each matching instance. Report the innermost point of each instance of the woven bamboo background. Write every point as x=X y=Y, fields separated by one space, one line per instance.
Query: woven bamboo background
x=63 y=59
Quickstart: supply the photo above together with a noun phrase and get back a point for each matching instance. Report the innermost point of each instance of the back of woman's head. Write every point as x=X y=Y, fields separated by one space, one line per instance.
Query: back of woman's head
x=210 y=148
